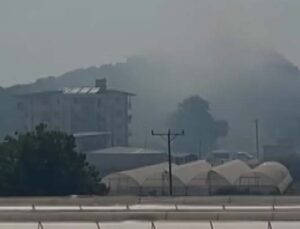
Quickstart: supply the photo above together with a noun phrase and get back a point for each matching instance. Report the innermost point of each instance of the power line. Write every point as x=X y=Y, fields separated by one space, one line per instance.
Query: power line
x=170 y=137
x=257 y=138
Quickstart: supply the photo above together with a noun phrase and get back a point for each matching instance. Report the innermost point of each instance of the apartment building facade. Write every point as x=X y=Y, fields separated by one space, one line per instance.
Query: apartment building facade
x=80 y=111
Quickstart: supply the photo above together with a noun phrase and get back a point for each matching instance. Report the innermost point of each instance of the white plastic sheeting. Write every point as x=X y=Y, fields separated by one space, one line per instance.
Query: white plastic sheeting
x=15 y=208
x=199 y=178
x=240 y=225
x=285 y=225
x=182 y=225
x=228 y=173
x=126 y=225
x=200 y=208
x=145 y=180
x=74 y=225
x=157 y=184
x=147 y=207
x=19 y=225
x=104 y=208
x=266 y=177
x=57 y=208
x=194 y=177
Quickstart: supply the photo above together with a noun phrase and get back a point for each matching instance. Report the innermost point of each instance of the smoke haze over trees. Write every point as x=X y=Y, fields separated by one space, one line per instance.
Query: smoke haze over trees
x=201 y=129
x=241 y=56
x=254 y=83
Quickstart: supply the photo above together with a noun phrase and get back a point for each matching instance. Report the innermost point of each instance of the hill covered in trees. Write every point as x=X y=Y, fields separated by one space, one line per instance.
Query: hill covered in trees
x=240 y=84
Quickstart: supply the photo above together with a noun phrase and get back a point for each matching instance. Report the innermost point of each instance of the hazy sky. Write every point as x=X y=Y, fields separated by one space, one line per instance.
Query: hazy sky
x=49 y=37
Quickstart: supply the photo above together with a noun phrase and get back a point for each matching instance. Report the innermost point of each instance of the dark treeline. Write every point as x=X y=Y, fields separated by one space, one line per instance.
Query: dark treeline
x=45 y=163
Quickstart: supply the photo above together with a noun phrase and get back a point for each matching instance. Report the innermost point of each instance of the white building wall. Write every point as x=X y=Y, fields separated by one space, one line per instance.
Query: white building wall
x=72 y=113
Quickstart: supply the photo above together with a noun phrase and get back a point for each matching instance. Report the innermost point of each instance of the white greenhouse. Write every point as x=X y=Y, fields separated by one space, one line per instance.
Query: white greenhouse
x=148 y=180
x=267 y=178
x=194 y=177
x=200 y=178
x=222 y=178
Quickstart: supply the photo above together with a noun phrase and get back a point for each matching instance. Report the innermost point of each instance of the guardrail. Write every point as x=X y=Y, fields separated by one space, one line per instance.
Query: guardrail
x=148 y=212
x=124 y=200
x=150 y=207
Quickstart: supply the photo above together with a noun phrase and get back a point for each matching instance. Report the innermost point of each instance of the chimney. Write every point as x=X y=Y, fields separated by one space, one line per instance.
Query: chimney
x=101 y=83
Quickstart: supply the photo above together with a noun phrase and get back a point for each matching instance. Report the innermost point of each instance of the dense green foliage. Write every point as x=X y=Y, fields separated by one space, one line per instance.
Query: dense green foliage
x=201 y=129
x=45 y=162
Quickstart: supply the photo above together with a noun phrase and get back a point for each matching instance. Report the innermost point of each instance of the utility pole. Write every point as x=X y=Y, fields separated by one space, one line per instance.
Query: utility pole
x=257 y=138
x=170 y=137
x=200 y=150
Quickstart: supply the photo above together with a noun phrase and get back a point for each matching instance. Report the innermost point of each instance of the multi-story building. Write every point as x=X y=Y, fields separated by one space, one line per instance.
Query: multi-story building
x=80 y=111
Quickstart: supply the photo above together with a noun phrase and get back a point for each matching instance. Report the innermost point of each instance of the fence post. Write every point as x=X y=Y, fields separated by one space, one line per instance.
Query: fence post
x=98 y=225
x=269 y=225
x=152 y=225
x=40 y=225
x=211 y=224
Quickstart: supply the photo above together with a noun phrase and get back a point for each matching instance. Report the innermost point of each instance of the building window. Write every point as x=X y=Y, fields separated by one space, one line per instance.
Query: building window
x=118 y=100
x=118 y=113
x=99 y=103
x=119 y=127
x=20 y=106
x=100 y=118
x=45 y=101
x=119 y=141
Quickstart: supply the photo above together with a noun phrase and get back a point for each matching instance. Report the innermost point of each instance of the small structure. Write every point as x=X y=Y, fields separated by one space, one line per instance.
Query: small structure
x=267 y=178
x=219 y=157
x=117 y=159
x=194 y=177
x=183 y=158
x=87 y=141
x=279 y=152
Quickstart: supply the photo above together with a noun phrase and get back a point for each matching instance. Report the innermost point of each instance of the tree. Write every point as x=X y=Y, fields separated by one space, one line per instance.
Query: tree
x=201 y=129
x=44 y=162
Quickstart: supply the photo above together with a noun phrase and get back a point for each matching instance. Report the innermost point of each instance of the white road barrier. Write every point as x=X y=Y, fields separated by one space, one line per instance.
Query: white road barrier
x=154 y=225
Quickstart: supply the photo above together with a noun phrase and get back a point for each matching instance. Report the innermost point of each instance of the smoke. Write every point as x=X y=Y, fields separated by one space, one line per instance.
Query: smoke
x=227 y=53
x=231 y=53
x=242 y=83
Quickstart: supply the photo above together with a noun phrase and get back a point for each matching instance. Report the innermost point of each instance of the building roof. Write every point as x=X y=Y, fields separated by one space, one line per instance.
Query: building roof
x=91 y=133
x=231 y=170
x=38 y=93
x=126 y=150
x=187 y=172
x=91 y=90
x=76 y=91
x=81 y=90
